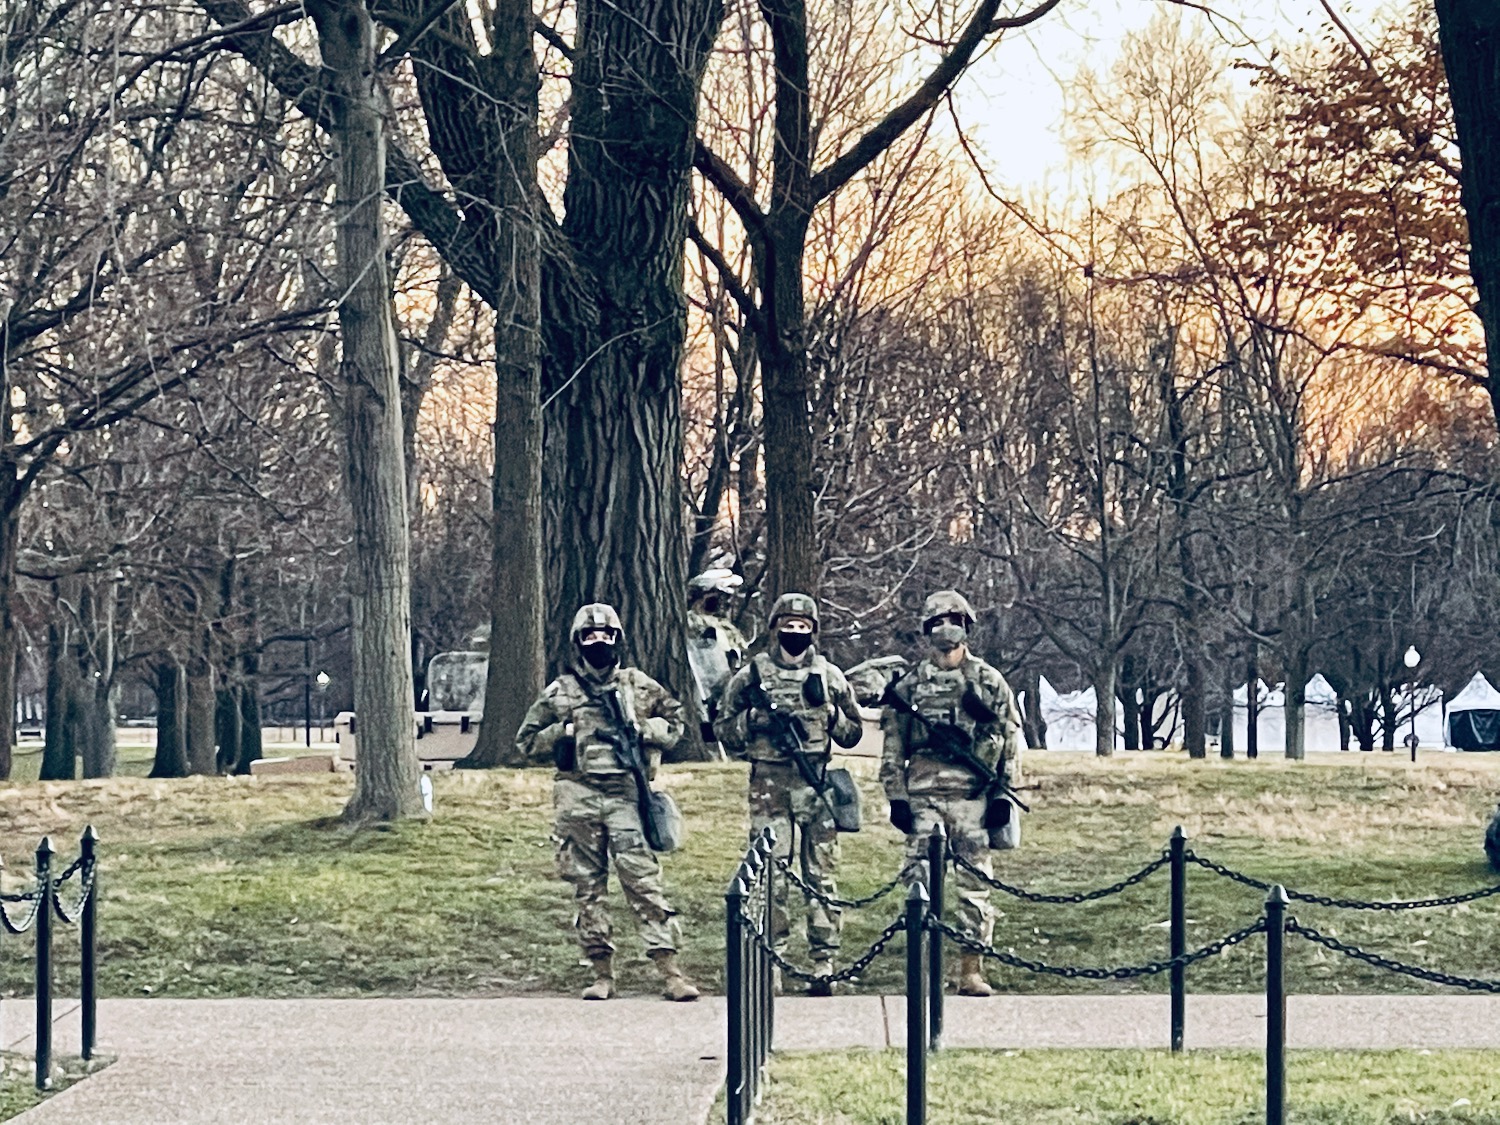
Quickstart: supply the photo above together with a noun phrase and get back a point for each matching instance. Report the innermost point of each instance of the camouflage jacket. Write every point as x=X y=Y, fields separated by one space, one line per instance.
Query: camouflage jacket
x=837 y=718
x=573 y=700
x=938 y=694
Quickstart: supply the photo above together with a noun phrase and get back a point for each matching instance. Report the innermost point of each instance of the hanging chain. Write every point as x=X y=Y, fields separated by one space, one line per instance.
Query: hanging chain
x=1388 y=964
x=1080 y=972
x=35 y=898
x=1071 y=899
x=1342 y=903
x=854 y=969
x=85 y=891
x=842 y=903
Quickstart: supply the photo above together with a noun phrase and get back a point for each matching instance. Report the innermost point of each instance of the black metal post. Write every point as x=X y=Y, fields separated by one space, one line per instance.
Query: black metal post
x=916 y=1006
x=755 y=986
x=937 y=872
x=767 y=969
x=735 y=1081
x=44 y=855
x=88 y=933
x=1178 y=852
x=307 y=689
x=1276 y=903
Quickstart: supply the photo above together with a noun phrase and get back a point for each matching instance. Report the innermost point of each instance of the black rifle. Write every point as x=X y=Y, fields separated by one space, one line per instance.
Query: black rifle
x=630 y=752
x=787 y=733
x=953 y=744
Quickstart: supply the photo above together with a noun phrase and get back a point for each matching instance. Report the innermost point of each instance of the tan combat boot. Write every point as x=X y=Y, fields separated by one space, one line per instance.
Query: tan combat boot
x=675 y=986
x=604 y=979
x=971 y=980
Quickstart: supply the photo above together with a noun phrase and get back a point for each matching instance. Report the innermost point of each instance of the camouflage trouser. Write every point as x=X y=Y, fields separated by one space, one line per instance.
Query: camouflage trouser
x=967 y=902
x=591 y=829
x=782 y=801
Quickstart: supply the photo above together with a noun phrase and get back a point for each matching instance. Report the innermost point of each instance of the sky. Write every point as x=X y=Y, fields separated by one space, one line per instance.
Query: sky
x=1012 y=99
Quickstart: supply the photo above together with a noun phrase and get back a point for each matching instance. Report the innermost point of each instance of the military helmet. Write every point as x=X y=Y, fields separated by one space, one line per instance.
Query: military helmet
x=595 y=615
x=795 y=605
x=719 y=580
x=943 y=603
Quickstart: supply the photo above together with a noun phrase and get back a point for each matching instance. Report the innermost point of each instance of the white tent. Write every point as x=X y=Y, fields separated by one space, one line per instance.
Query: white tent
x=1069 y=716
x=1320 y=718
x=1473 y=719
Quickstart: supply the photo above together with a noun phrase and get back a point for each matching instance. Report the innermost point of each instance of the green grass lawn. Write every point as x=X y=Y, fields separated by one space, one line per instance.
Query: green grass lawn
x=250 y=886
x=131 y=761
x=1135 y=1088
x=17 y=1087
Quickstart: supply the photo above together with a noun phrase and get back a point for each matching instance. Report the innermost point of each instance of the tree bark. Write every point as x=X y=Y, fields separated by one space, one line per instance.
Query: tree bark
x=615 y=513
x=59 y=753
x=249 y=747
x=1130 y=707
x=1033 y=722
x=227 y=727
x=1226 y=713
x=200 y=713
x=1104 y=709
x=9 y=638
x=171 y=721
x=1296 y=705
x=517 y=653
x=1469 y=31
x=385 y=781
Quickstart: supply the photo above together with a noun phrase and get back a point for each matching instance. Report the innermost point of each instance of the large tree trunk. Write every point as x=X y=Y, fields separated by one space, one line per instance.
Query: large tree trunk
x=227 y=727
x=792 y=556
x=1033 y=722
x=1470 y=34
x=1387 y=718
x=200 y=713
x=1226 y=713
x=615 y=511
x=1296 y=705
x=370 y=403
x=1104 y=709
x=171 y=721
x=9 y=638
x=1130 y=706
x=517 y=653
x=249 y=747
x=59 y=753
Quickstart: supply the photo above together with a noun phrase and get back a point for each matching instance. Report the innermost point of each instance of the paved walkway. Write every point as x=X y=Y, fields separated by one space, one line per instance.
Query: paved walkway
x=627 y=1062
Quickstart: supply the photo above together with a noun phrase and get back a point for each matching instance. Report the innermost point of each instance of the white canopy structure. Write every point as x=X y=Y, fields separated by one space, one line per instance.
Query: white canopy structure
x=1473 y=719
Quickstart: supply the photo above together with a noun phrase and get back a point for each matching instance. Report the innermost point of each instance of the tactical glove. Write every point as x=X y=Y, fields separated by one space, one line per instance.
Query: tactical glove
x=814 y=690
x=901 y=816
x=565 y=753
x=758 y=721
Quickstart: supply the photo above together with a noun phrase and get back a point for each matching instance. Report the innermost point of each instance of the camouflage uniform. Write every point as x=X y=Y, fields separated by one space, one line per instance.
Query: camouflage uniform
x=779 y=797
x=941 y=792
x=595 y=802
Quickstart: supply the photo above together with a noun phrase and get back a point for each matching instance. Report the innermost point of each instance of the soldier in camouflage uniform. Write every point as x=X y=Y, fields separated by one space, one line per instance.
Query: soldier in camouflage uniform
x=594 y=797
x=716 y=648
x=951 y=686
x=799 y=680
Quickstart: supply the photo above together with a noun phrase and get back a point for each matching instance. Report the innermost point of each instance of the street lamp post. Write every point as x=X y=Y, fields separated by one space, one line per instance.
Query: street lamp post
x=323 y=680
x=1411 y=658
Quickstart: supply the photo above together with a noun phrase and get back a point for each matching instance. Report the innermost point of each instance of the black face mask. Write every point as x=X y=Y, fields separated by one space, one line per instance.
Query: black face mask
x=794 y=644
x=599 y=655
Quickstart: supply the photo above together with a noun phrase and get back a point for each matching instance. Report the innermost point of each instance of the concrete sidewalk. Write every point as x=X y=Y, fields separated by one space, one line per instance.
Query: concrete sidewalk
x=626 y=1062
